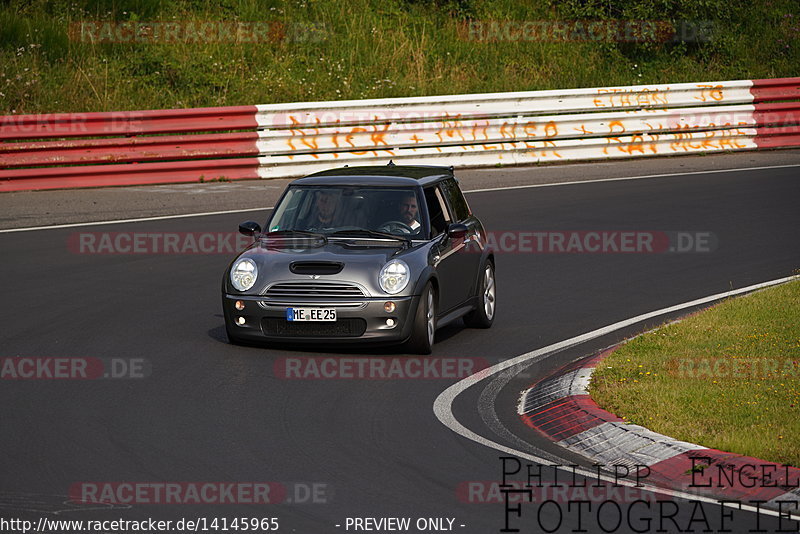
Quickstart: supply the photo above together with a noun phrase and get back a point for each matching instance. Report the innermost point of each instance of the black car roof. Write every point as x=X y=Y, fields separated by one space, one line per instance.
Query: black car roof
x=382 y=175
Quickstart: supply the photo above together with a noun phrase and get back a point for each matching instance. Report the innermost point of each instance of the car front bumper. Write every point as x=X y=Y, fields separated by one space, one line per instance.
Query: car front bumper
x=360 y=321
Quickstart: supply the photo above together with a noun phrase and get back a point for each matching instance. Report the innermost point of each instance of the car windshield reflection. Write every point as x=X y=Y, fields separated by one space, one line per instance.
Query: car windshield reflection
x=372 y=212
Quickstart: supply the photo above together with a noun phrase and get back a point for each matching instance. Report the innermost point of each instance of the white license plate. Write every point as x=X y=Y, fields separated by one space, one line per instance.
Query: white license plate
x=310 y=314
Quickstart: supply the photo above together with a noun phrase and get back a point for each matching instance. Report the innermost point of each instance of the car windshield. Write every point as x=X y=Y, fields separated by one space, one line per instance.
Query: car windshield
x=349 y=210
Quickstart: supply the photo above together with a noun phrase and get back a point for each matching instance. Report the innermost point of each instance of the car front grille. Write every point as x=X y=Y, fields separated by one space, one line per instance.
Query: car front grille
x=313 y=289
x=311 y=303
x=348 y=327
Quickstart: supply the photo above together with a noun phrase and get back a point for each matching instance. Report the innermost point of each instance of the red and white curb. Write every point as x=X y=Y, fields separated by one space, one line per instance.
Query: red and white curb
x=443 y=405
x=561 y=409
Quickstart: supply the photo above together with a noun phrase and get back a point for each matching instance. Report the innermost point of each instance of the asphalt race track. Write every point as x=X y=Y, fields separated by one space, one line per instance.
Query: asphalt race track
x=211 y=412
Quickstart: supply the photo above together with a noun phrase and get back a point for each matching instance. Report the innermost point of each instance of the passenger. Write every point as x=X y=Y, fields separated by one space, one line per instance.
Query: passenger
x=326 y=202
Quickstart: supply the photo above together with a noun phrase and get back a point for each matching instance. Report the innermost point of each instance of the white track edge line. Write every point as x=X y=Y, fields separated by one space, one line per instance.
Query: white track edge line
x=623 y=178
x=203 y=214
x=443 y=405
x=120 y=221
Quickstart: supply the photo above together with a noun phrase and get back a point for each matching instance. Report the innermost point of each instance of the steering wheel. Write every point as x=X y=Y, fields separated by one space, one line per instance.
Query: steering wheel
x=395 y=226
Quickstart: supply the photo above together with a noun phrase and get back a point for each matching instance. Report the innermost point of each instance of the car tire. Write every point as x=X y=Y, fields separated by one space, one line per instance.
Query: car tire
x=424 y=331
x=483 y=315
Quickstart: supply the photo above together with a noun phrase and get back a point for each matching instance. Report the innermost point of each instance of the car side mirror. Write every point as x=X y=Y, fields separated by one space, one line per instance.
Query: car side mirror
x=457 y=231
x=249 y=228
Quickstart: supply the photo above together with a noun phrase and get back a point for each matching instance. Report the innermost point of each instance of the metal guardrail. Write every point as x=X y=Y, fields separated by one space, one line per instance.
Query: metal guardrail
x=281 y=140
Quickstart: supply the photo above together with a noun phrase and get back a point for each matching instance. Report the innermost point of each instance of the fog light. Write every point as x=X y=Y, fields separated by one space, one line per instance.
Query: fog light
x=240 y=320
x=389 y=322
x=239 y=305
x=389 y=307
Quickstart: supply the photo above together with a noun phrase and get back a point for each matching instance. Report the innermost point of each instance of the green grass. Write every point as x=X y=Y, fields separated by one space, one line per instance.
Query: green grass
x=727 y=378
x=368 y=49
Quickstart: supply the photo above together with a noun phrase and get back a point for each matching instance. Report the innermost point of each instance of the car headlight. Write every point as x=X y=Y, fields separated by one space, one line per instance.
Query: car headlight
x=244 y=274
x=394 y=276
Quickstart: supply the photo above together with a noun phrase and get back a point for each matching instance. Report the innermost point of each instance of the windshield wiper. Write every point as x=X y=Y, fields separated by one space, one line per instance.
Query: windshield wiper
x=363 y=232
x=289 y=233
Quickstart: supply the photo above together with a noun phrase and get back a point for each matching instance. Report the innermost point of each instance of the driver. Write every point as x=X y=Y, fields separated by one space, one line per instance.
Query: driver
x=408 y=210
x=325 y=204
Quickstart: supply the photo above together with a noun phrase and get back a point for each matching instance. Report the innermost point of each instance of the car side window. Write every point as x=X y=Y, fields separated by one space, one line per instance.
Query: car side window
x=437 y=210
x=456 y=198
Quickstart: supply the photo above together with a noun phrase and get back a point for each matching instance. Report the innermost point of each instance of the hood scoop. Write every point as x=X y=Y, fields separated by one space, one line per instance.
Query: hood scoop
x=316 y=267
